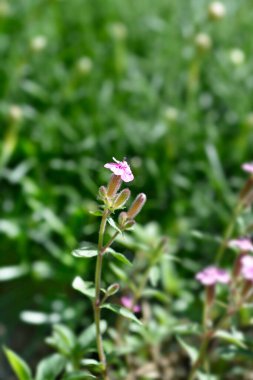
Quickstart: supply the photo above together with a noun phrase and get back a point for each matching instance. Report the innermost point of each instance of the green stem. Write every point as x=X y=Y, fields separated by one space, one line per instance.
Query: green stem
x=228 y=233
x=207 y=338
x=110 y=242
x=97 y=310
x=202 y=352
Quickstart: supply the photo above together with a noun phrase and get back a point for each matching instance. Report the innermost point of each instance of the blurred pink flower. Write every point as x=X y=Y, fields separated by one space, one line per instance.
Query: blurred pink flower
x=211 y=275
x=244 y=244
x=120 y=168
x=248 y=167
x=247 y=267
x=127 y=302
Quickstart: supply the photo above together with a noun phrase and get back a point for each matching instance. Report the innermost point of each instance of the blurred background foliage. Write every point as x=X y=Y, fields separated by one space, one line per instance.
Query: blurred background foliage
x=158 y=82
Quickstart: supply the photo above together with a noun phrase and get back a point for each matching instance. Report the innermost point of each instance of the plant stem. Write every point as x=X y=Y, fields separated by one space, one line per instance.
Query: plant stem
x=97 y=310
x=228 y=232
x=110 y=242
x=198 y=362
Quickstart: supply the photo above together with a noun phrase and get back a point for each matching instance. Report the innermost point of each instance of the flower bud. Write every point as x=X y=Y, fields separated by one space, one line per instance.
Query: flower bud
x=129 y=224
x=171 y=114
x=136 y=206
x=84 y=65
x=16 y=113
x=114 y=185
x=102 y=192
x=203 y=42
x=238 y=265
x=118 y=31
x=246 y=194
x=112 y=289
x=38 y=43
x=122 y=198
x=216 y=10
x=122 y=218
x=5 y=9
x=237 y=57
x=246 y=288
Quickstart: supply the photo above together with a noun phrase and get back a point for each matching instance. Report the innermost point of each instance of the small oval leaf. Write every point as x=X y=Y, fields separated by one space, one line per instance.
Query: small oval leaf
x=119 y=256
x=121 y=311
x=84 y=287
x=85 y=252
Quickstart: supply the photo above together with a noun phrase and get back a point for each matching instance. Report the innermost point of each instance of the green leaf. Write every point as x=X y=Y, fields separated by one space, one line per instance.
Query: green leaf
x=93 y=365
x=121 y=311
x=63 y=339
x=18 y=365
x=190 y=350
x=206 y=376
x=85 y=252
x=12 y=272
x=234 y=337
x=119 y=272
x=67 y=336
x=96 y=213
x=187 y=329
x=88 y=336
x=85 y=287
x=234 y=353
x=50 y=367
x=114 y=225
x=119 y=256
x=154 y=276
x=158 y=294
x=79 y=375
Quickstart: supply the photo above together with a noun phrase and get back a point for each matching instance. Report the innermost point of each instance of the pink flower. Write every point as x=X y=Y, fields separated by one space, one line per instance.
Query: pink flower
x=122 y=169
x=247 y=267
x=211 y=275
x=248 y=167
x=127 y=302
x=244 y=244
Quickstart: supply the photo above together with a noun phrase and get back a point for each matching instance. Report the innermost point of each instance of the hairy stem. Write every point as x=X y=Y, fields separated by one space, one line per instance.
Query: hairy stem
x=201 y=356
x=97 y=310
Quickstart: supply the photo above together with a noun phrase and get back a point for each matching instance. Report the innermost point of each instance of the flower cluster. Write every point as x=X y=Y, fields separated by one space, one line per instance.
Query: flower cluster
x=247 y=267
x=212 y=275
x=115 y=200
x=243 y=244
x=248 y=167
x=128 y=302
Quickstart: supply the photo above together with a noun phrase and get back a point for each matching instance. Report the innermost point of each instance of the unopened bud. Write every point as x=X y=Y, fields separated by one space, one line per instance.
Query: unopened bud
x=5 y=9
x=16 y=113
x=102 y=192
x=122 y=198
x=122 y=218
x=84 y=65
x=118 y=31
x=129 y=224
x=38 y=43
x=203 y=42
x=246 y=194
x=237 y=57
x=246 y=288
x=136 y=206
x=114 y=185
x=238 y=265
x=216 y=10
x=112 y=289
